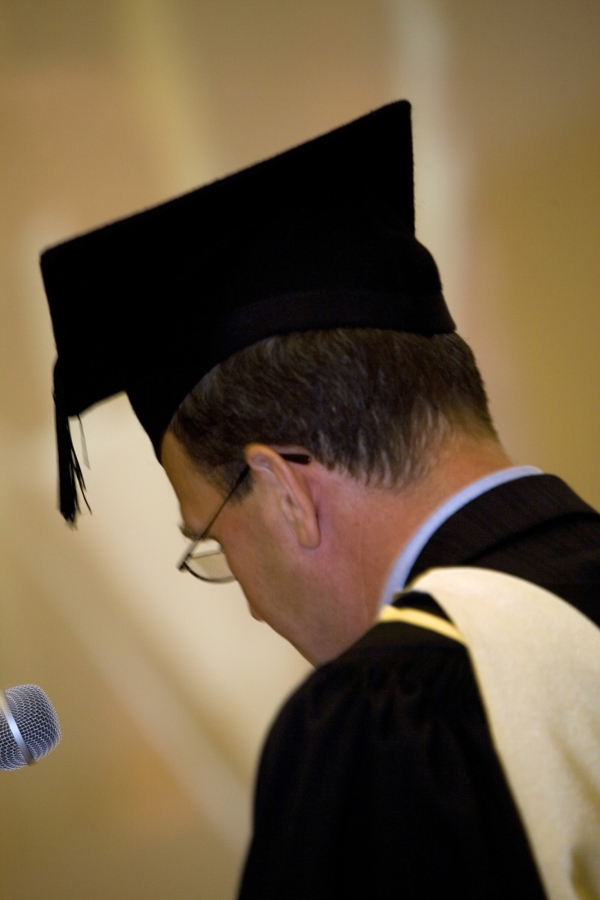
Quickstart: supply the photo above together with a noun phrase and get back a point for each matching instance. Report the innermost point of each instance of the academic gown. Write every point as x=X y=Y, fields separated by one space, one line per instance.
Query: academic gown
x=379 y=778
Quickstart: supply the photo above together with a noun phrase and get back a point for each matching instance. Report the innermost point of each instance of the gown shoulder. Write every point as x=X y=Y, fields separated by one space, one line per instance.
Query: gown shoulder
x=379 y=779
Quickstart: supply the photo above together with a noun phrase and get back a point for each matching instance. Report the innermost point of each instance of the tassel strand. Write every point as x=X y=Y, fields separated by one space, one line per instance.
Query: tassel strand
x=70 y=475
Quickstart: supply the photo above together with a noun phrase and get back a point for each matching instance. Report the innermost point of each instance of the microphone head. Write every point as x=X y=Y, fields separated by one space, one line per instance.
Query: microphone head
x=37 y=721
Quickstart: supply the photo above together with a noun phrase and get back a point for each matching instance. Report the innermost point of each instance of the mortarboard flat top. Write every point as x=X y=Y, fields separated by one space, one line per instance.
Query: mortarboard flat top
x=321 y=236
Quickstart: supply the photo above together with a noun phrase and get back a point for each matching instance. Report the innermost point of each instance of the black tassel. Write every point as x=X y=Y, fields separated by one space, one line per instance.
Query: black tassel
x=69 y=471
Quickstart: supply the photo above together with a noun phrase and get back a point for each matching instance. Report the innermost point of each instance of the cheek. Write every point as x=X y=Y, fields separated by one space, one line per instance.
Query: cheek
x=256 y=575
x=247 y=567
x=240 y=536
x=258 y=560
x=242 y=552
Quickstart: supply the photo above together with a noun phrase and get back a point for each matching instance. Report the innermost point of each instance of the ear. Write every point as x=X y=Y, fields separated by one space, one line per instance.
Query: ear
x=289 y=488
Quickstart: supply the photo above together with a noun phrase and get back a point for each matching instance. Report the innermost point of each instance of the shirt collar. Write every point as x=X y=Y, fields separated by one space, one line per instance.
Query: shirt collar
x=408 y=556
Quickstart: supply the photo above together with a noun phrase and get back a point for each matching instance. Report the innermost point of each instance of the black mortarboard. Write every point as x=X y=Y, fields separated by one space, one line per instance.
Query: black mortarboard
x=321 y=236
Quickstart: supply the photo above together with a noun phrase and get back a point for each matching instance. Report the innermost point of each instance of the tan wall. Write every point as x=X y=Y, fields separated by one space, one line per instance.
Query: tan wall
x=164 y=689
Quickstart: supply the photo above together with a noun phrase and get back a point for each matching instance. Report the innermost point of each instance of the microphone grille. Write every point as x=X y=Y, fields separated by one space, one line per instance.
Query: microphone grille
x=37 y=721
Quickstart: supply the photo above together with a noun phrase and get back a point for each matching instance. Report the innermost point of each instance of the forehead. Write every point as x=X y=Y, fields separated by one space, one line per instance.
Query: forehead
x=197 y=496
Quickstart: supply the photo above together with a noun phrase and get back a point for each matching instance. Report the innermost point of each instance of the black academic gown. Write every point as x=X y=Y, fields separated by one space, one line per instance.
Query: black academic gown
x=379 y=778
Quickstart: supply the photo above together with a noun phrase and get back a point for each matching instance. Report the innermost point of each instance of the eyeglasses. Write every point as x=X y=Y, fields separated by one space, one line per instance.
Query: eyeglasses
x=204 y=558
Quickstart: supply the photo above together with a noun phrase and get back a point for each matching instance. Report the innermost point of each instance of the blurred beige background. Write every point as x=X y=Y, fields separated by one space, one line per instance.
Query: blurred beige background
x=165 y=688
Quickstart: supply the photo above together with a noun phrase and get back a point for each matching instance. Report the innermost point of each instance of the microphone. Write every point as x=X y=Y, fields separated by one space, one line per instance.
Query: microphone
x=29 y=727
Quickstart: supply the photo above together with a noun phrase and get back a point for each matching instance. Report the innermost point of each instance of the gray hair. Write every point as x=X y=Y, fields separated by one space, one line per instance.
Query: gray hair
x=372 y=402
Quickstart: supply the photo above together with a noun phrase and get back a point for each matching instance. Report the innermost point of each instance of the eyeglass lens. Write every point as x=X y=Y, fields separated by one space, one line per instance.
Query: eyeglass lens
x=209 y=563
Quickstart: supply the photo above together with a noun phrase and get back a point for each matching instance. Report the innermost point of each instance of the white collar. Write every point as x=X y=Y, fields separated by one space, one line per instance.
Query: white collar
x=408 y=556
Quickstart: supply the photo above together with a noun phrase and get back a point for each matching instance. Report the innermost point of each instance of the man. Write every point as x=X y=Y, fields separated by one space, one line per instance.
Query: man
x=284 y=340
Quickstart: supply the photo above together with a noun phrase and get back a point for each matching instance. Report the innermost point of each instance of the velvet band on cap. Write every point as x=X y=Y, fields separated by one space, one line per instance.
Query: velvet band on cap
x=321 y=236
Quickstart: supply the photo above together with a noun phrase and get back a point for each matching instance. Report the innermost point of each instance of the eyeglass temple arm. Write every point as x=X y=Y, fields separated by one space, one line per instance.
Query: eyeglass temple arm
x=303 y=459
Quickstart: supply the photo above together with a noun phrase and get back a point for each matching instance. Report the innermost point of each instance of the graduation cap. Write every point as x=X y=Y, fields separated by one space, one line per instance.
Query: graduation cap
x=321 y=236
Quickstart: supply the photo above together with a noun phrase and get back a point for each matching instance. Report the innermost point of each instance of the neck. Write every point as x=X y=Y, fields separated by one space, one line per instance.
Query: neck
x=378 y=523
